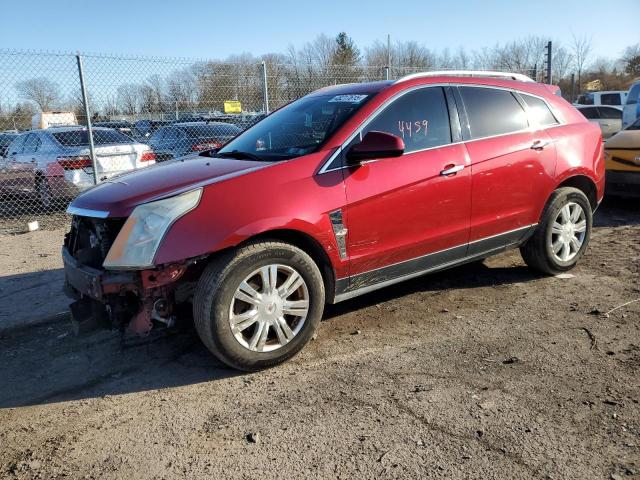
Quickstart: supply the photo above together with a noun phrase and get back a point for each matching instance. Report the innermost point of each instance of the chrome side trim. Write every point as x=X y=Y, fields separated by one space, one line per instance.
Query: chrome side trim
x=85 y=212
x=339 y=232
x=480 y=248
x=370 y=288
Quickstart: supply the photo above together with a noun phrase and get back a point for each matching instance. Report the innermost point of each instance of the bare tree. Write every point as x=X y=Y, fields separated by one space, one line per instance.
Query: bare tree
x=561 y=62
x=41 y=91
x=581 y=48
x=129 y=98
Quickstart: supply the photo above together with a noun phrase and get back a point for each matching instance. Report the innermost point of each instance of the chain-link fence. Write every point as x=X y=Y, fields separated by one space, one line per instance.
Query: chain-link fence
x=70 y=121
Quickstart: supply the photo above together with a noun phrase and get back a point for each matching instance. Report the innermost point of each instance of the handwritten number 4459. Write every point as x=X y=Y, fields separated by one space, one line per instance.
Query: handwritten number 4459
x=410 y=128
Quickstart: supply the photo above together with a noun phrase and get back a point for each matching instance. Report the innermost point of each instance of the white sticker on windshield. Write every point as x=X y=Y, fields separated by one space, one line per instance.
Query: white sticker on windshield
x=348 y=98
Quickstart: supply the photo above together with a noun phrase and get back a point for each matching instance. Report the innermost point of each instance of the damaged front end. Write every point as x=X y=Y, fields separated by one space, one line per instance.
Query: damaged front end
x=129 y=300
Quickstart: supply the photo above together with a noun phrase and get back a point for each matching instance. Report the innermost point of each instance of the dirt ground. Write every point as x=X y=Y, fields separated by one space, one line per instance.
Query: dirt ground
x=484 y=371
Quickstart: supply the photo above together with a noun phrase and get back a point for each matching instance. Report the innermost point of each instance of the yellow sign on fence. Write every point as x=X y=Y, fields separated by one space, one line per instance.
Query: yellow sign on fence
x=232 y=106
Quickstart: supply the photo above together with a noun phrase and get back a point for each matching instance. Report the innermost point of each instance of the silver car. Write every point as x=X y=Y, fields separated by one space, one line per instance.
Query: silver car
x=55 y=163
x=608 y=117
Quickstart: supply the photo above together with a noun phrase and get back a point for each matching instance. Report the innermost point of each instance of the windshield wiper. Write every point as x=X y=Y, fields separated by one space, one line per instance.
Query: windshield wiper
x=240 y=155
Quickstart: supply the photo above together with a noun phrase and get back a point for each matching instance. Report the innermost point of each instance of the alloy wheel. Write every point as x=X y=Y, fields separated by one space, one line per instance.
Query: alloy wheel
x=269 y=308
x=568 y=232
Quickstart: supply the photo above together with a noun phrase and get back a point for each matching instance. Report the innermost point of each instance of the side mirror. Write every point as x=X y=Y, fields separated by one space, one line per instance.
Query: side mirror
x=375 y=145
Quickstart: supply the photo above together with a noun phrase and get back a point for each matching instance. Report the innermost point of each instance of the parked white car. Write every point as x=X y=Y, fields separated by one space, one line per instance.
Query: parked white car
x=56 y=164
x=611 y=97
x=608 y=117
x=631 y=107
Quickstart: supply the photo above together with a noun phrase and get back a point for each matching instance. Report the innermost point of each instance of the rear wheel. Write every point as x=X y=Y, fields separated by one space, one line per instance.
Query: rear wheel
x=259 y=305
x=563 y=233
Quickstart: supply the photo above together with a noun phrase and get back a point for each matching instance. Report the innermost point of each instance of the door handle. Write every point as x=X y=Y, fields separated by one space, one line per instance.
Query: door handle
x=451 y=170
x=540 y=144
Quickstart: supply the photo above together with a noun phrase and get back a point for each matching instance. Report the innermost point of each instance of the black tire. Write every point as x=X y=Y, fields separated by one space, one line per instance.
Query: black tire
x=218 y=284
x=537 y=251
x=43 y=191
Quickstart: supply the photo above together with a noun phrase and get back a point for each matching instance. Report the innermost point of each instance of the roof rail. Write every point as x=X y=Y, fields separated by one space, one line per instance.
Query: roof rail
x=467 y=73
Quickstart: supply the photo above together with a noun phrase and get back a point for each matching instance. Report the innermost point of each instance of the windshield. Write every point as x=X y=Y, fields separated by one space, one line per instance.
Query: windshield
x=297 y=129
x=635 y=125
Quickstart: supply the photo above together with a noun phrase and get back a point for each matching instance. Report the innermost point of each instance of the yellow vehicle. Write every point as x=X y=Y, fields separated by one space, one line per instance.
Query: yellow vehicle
x=622 y=153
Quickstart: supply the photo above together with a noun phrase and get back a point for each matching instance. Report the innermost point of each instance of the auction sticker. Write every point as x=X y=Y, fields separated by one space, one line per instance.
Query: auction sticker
x=348 y=98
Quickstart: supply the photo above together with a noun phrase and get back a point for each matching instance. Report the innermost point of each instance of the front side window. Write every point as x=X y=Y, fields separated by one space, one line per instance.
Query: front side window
x=610 y=113
x=539 y=110
x=586 y=99
x=17 y=145
x=491 y=111
x=297 y=129
x=590 y=113
x=610 y=99
x=420 y=118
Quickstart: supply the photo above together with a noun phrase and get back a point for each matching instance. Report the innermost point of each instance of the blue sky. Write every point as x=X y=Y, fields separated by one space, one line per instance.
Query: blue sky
x=215 y=29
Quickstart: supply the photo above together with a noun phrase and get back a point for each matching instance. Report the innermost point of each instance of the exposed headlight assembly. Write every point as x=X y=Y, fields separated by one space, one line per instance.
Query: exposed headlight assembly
x=139 y=239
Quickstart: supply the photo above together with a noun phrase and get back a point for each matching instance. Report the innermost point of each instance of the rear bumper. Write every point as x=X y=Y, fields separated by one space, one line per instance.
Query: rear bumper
x=623 y=183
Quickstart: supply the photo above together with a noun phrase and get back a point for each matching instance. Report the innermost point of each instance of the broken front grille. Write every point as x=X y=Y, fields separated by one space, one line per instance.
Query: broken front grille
x=90 y=239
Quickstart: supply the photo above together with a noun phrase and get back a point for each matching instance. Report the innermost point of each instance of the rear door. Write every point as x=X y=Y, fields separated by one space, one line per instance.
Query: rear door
x=511 y=164
x=403 y=214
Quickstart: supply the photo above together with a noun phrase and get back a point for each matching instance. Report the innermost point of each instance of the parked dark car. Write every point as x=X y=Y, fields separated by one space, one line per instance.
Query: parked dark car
x=143 y=129
x=183 y=138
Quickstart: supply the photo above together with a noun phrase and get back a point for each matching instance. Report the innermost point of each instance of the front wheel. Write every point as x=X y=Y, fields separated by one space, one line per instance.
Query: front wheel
x=258 y=305
x=563 y=233
x=43 y=191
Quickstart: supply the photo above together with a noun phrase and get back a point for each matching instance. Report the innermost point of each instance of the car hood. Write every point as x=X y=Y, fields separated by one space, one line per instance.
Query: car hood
x=625 y=139
x=120 y=195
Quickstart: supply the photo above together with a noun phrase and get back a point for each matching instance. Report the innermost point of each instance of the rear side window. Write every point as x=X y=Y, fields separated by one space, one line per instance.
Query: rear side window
x=420 y=118
x=633 y=94
x=31 y=144
x=491 y=111
x=539 y=110
x=610 y=99
x=610 y=113
x=590 y=113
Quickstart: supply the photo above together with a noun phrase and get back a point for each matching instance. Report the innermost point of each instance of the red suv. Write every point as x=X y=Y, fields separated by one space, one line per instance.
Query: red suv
x=346 y=190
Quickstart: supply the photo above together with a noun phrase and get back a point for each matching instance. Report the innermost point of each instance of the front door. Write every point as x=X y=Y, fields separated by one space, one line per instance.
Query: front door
x=410 y=213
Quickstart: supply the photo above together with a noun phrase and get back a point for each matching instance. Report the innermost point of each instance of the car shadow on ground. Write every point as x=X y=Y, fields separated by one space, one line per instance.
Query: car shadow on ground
x=48 y=364
x=617 y=211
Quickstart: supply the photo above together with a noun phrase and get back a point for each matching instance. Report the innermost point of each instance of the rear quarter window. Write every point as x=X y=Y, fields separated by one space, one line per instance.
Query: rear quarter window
x=492 y=111
x=539 y=110
x=610 y=113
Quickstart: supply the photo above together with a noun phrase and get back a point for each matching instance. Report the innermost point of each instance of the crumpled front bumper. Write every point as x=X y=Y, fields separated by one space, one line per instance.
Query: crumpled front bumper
x=82 y=280
x=131 y=299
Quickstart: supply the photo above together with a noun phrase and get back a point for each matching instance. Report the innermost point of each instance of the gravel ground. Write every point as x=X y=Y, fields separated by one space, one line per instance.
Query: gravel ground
x=484 y=371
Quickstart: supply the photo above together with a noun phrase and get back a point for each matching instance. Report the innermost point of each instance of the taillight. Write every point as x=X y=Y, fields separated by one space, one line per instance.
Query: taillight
x=75 y=162
x=205 y=146
x=148 y=156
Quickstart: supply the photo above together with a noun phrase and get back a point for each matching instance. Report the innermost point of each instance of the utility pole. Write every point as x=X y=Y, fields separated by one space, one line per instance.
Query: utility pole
x=548 y=60
x=388 y=54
